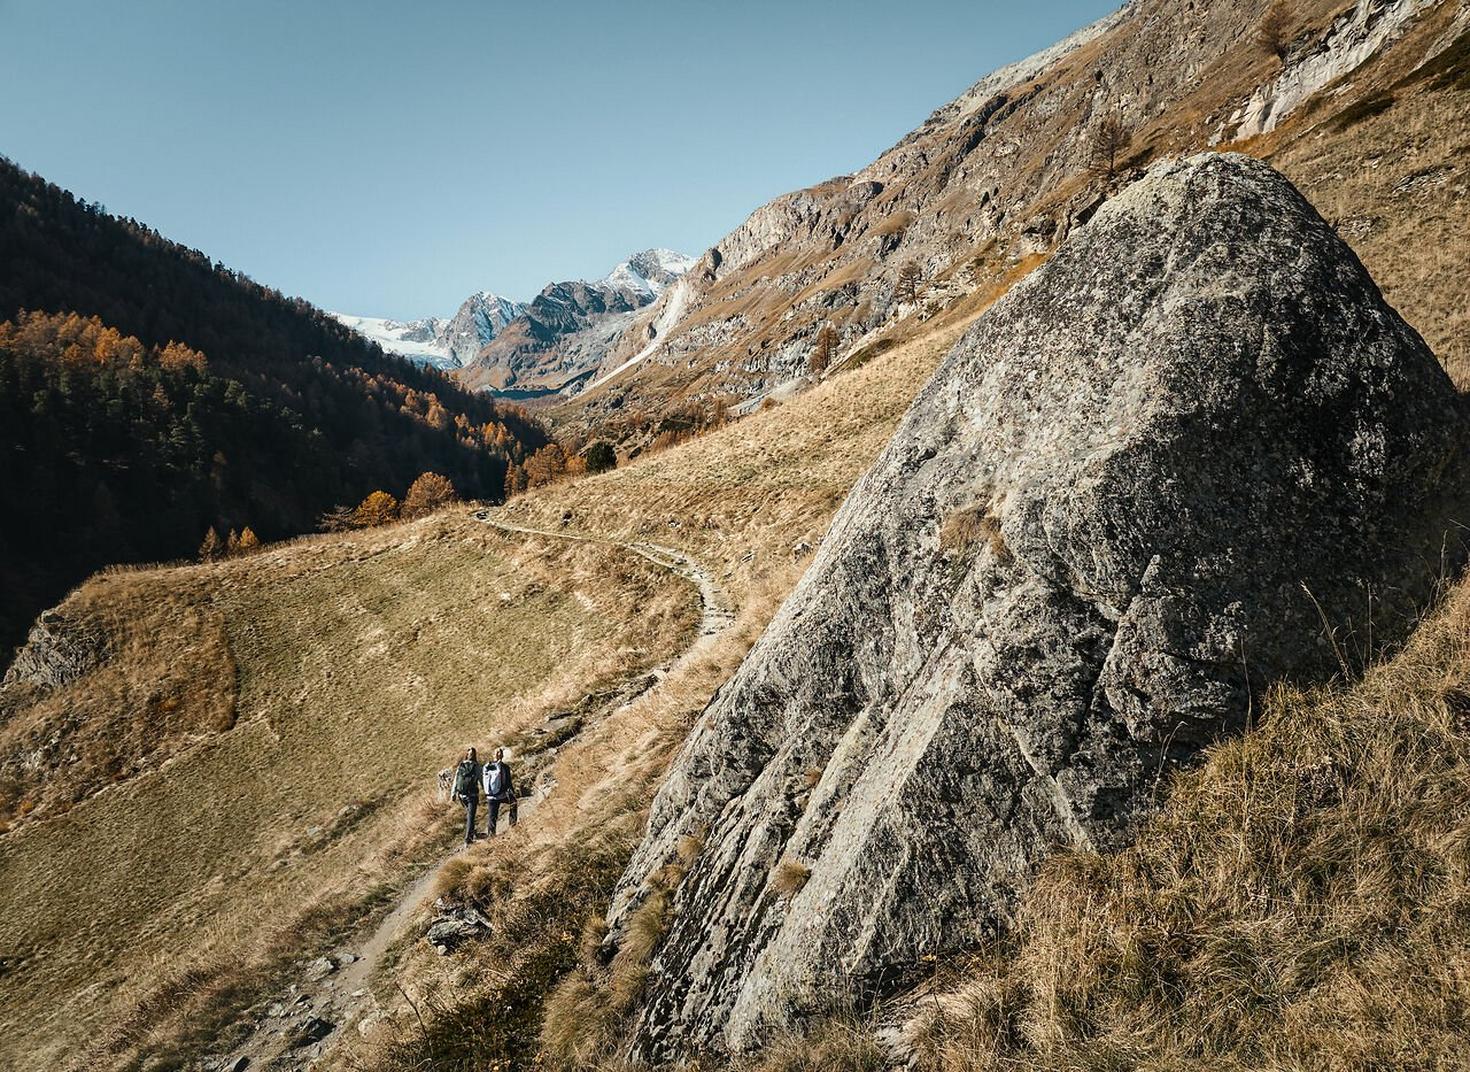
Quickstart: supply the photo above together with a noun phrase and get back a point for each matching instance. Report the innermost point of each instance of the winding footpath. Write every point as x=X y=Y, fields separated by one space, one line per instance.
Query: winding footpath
x=332 y=993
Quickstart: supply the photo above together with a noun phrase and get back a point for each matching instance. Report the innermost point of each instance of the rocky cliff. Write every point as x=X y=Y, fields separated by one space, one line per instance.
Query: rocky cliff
x=1144 y=485
x=568 y=330
x=1000 y=173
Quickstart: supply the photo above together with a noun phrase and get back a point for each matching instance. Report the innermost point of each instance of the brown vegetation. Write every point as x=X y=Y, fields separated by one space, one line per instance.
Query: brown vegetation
x=430 y=492
x=1108 y=141
x=967 y=528
x=821 y=356
x=1273 y=31
x=789 y=877
x=302 y=698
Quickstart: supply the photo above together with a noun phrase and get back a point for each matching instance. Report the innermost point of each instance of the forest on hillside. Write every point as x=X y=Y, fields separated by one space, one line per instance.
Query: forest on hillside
x=148 y=394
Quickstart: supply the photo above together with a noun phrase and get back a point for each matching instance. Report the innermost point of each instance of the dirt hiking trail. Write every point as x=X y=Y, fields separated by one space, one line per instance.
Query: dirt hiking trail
x=332 y=993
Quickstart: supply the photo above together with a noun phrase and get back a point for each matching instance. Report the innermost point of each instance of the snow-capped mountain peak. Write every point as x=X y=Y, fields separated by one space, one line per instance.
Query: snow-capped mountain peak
x=436 y=341
x=458 y=340
x=648 y=272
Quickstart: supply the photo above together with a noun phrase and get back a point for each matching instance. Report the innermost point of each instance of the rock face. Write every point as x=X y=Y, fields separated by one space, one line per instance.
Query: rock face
x=568 y=330
x=57 y=651
x=1094 y=535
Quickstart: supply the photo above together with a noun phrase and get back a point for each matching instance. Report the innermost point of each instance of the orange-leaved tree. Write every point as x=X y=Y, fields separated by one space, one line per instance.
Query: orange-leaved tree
x=378 y=508
x=427 y=494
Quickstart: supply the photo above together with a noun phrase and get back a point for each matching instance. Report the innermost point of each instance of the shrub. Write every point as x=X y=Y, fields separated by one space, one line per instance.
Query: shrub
x=600 y=456
x=966 y=528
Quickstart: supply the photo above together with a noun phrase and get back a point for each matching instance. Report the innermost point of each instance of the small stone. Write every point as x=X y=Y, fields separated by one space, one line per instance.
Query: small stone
x=313 y=1031
x=320 y=968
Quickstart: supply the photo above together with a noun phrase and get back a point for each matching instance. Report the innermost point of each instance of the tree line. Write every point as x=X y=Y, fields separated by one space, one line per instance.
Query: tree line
x=148 y=393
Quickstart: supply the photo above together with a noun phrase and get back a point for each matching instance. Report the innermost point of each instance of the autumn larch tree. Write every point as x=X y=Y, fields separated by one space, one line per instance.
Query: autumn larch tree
x=1271 y=33
x=338 y=519
x=1110 y=140
x=248 y=541
x=211 y=547
x=546 y=465
x=908 y=281
x=821 y=357
x=427 y=494
x=378 y=508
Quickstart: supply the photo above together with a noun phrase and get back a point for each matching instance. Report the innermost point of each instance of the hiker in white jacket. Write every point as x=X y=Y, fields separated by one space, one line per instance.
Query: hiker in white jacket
x=498 y=791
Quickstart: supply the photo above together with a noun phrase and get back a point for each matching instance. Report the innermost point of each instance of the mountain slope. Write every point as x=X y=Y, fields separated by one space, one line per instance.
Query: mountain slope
x=1063 y=577
x=566 y=333
x=321 y=417
x=245 y=771
x=1003 y=172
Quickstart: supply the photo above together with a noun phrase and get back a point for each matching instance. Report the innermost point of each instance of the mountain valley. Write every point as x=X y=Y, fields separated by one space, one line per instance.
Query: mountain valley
x=1001 y=609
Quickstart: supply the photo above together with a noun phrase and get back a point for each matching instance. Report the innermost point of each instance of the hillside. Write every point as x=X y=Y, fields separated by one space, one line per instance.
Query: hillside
x=245 y=771
x=286 y=414
x=1297 y=903
x=1010 y=167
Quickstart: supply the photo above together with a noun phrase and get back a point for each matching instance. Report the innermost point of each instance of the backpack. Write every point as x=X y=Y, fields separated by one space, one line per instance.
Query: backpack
x=464 y=780
x=506 y=791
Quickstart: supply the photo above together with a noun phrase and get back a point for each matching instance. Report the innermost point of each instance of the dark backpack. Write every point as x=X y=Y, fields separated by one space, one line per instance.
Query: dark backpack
x=465 y=780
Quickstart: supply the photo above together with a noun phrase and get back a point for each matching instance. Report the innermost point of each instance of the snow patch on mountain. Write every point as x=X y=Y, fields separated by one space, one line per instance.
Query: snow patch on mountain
x=417 y=340
x=649 y=272
x=455 y=342
x=444 y=343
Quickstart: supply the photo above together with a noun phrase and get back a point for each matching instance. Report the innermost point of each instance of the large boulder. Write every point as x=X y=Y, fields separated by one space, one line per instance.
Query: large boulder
x=1142 y=487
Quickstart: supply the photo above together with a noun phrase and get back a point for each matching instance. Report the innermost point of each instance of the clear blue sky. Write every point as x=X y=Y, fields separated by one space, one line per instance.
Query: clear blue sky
x=388 y=158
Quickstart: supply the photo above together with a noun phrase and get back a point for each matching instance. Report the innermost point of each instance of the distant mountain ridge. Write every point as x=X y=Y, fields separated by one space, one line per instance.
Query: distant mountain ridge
x=535 y=347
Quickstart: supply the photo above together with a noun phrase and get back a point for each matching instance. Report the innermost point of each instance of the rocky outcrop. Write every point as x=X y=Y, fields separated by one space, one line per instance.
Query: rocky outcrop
x=1129 y=498
x=1353 y=37
x=57 y=651
x=453 y=925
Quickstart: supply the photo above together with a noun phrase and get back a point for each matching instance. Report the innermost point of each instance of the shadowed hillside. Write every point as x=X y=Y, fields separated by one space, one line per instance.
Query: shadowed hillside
x=285 y=414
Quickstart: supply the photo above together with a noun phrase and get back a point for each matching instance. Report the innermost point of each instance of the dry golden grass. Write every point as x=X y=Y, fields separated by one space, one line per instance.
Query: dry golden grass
x=968 y=528
x=1394 y=185
x=838 y=1045
x=356 y=666
x=1302 y=901
x=790 y=877
x=743 y=497
x=540 y=976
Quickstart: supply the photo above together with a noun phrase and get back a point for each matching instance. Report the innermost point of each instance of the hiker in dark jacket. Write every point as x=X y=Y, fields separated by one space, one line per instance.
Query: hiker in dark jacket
x=467 y=790
x=498 y=791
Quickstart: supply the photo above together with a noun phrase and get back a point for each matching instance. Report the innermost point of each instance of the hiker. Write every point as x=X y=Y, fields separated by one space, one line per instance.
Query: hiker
x=467 y=791
x=498 y=791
